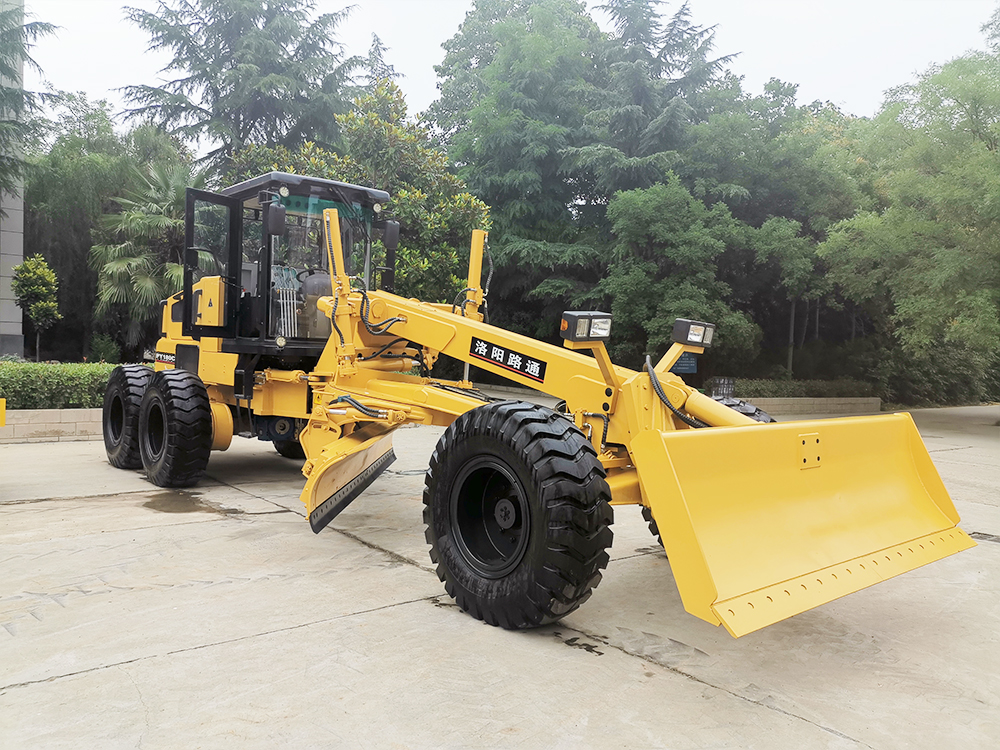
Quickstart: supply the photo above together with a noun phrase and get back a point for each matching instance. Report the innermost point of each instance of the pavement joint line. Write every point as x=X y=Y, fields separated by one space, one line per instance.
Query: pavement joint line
x=392 y=555
x=289 y=628
x=258 y=497
x=205 y=519
x=706 y=683
x=30 y=500
x=944 y=450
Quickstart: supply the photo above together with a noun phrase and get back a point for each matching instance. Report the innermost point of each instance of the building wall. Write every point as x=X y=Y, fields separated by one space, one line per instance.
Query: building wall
x=11 y=254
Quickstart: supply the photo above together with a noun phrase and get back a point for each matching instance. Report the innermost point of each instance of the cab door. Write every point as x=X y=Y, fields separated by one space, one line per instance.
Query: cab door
x=212 y=264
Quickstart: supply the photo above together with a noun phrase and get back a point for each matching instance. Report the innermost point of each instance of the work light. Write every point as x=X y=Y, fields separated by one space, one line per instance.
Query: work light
x=579 y=325
x=693 y=332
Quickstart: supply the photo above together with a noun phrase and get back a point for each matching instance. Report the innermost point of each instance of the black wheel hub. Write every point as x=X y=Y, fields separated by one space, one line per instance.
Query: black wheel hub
x=156 y=431
x=116 y=419
x=490 y=517
x=505 y=514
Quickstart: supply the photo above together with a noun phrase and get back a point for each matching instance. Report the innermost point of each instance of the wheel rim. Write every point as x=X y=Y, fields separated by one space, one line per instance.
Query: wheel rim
x=156 y=430
x=490 y=517
x=116 y=419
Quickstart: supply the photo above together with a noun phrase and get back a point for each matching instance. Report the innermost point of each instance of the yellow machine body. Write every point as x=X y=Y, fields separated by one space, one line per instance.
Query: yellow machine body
x=210 y=300
x=759 y=521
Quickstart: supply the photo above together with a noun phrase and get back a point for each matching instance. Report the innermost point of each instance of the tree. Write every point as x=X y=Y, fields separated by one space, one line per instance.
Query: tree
x=663 y=267
x=74 y=176
x=924 y=264
x=252 y=72
x=378 y=69
x=36 y=288
x=650 y=76
x=142 y=260
x=549 y=118
x=16 y=39
x=780 y=241
x=517 y=81
x=386 y=150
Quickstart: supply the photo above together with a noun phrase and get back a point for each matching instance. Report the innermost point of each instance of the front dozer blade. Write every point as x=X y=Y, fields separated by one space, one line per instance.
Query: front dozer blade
x=343 y=471
x=763 y=522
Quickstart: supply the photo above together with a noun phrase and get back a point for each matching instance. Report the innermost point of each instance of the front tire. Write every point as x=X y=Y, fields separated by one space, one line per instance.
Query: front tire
x=120 y=418
x=175 y=429
x=518 y=513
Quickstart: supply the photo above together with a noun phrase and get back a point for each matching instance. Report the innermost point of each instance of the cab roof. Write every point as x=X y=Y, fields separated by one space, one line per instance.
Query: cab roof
x=298 y=183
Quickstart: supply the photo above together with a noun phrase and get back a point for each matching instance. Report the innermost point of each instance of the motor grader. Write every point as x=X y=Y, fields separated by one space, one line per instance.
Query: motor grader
x=288 y=329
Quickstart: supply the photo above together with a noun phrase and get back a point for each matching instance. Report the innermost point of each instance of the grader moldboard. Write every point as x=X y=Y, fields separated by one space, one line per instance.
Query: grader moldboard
x=287 y=331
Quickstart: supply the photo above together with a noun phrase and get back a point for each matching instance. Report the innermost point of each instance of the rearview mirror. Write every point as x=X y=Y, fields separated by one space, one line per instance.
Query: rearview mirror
x=275 y=219
x=390 y=235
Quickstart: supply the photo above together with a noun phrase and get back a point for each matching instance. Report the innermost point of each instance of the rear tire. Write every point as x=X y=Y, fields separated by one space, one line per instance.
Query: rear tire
x=122 y=401
x=747 y=409
x=175 y=429
x=290 y=449
x=647 y=514
x=518 y=513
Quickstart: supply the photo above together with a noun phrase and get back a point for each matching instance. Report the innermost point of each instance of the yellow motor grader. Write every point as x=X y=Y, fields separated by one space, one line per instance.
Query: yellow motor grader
x=287 y=330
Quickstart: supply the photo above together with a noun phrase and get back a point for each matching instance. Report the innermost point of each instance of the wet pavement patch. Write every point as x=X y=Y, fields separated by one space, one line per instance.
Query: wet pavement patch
x=577 y=642
x=174 y=501
x=983 y=537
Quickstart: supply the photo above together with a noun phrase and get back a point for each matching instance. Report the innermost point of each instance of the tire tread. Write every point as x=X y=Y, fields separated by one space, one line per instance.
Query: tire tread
x=573 y=496
x=132 y=381
x=188 y=417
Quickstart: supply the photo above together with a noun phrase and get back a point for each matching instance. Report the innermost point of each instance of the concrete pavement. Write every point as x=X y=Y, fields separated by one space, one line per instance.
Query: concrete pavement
x=136 y=617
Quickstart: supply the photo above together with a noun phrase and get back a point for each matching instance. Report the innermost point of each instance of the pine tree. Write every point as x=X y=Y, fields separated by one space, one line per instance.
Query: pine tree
x=16 y=39
x=252 y=71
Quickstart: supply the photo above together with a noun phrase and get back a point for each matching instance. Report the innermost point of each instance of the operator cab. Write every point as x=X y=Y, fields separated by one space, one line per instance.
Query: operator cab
x=256 y=262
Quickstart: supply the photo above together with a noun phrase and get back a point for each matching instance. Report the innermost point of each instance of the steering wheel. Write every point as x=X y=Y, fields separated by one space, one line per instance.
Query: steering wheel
x=306 y=272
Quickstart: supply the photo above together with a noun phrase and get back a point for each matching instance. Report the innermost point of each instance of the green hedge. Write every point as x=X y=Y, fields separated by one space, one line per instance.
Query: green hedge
x=751 y=389
x=39 y=385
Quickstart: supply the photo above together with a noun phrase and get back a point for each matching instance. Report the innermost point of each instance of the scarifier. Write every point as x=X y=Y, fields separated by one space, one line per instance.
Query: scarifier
x=287 y=330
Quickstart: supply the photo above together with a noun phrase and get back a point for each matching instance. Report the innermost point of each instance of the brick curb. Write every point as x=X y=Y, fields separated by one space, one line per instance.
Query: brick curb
x=806 y=406
x=51 y=425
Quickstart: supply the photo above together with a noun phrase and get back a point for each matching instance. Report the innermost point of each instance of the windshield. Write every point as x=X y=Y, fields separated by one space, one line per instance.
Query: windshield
x=299 y=269
x=302 y=244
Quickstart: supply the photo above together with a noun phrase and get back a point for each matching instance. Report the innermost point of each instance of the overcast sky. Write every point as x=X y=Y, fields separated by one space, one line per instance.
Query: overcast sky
x=845 y=51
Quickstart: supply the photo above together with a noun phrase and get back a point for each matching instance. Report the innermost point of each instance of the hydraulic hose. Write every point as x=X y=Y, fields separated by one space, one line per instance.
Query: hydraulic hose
x=689 y=421
x=333 y=318
x=366 y=410
x=607 y=423
x=458 y=299
x=377 y=329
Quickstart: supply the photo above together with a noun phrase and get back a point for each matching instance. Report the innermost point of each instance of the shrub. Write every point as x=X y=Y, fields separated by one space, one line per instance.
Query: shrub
x=991 y=385
x=843 y=388
x=104 y=349
x=40 y=385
